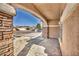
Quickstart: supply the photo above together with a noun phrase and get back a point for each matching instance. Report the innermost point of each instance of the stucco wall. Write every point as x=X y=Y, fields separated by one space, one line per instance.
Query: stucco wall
x=70 y=34
x=53 y=29
x=53 y=32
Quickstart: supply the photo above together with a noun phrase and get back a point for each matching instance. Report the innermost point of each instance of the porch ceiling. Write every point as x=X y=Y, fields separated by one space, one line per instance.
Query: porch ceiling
x=48 y=11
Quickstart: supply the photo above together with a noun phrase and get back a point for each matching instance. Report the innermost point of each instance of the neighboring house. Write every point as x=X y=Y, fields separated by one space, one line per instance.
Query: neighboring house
x=24 y=28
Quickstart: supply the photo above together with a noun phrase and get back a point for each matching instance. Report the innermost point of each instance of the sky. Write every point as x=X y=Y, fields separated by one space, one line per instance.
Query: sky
x=24 y=18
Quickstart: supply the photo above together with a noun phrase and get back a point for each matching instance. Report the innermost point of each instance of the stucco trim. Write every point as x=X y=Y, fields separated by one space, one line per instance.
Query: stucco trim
x=6 y=8
x=53 y=25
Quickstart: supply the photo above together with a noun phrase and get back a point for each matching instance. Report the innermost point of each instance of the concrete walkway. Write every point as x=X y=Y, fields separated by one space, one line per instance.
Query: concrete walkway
x=31 y=34
x=51 y=46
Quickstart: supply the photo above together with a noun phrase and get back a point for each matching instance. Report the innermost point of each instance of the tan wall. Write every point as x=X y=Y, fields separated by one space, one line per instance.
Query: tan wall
x=53 y=28
x=53 y=32
x=70 y=34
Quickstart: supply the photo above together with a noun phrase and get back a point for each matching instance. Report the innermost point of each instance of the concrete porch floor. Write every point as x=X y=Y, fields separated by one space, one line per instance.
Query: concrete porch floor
x=52 y=47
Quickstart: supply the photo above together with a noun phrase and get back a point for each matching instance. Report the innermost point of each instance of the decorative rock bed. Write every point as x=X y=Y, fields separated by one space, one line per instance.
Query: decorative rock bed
x=36 y=50
x=19 y=44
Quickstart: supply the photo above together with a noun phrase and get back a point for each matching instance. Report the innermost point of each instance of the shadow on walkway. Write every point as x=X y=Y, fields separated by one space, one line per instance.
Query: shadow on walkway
x=27 y=47
x=51 y=45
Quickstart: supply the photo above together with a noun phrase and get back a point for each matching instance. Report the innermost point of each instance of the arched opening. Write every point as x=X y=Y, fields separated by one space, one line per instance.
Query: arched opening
x=25 y=21
x=26 y=27
x=22 y=43
x=32 y=12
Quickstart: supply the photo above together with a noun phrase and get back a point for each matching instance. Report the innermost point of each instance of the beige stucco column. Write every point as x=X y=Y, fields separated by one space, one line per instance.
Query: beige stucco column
x=44 y=32
x=70 y=30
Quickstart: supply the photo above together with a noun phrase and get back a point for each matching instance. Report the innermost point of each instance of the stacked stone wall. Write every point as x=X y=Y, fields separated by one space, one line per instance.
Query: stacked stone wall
x=6 y=39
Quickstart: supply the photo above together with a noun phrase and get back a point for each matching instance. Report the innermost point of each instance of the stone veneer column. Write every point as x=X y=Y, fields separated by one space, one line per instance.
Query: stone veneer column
x=6 y=30
x=6 y=41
